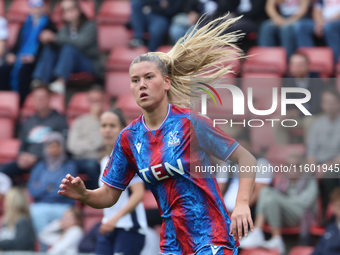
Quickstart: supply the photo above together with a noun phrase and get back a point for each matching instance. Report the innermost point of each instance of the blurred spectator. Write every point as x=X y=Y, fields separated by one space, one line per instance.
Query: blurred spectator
x=74 y=50
x=3 y=38
x=63 y=235
x=5 y=184
x=262 y=180
x=17 y=233
x=323 y=144
x=253 y=12
x=325 y=23
x=192 y=10
x=37 y=30
x=84 y=139
x=282 y=206
x=329 y=243
x=44 y=183
x=300 y=76
x=280 y=24
x=34 y=133
x=152 y=16
x=123 y=226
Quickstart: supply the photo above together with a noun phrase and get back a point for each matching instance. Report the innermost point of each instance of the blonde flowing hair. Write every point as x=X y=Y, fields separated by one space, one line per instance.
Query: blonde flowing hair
x=201 y=53
x=16 y=206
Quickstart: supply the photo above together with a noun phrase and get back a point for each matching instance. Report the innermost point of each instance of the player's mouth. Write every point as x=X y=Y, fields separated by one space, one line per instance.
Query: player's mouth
x=143 y=95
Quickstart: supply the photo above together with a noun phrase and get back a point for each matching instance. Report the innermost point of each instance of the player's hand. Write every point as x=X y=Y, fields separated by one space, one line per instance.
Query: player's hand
x=73 y=188
x=109 y=226
x=241 y=217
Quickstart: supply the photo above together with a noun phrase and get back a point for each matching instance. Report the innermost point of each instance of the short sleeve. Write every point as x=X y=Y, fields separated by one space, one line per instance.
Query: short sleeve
x=118 y=172
x=3 y=29
x=212 y=139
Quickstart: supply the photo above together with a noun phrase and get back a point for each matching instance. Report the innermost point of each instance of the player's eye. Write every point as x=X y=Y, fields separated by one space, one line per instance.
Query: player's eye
x=134 y=80
x=149 y=77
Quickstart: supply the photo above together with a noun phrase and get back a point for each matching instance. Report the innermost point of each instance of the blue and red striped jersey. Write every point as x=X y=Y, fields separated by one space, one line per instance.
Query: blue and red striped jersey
x=193 y=212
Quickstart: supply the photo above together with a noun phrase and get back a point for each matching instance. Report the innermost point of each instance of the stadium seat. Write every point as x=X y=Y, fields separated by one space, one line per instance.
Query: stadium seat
x=165 y=48
x=114 y=12
x=9 y=149
x=259 y=251
x=89 y=211
x=129 y=107
x=266 y=60
x=79 y=105
x=278 y=154
x=2 y=8
x=321 y=60
x=284 y=231
x=301 y=250
x=149 y=200
x=18 y=10
x=318 y=229
x=81 y=79
x=57 y=103
x=9 y=104
x=111 y=36
x=87 y=6
x=117 y=83
x=257 y=135
x=13 y=32
x=262 y=85
x=120 y=58
x=90 y=222
x=7 y=128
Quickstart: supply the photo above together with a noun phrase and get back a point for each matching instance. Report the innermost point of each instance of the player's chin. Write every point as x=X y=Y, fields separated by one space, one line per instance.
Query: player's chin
x=145 y=104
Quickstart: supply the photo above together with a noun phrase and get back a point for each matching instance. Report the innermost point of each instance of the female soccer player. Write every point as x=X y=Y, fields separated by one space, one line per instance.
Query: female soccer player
x=123 y=225
x=162 y=144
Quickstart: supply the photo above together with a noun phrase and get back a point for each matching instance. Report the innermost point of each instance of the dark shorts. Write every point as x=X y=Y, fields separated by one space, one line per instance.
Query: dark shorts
x=120 y=242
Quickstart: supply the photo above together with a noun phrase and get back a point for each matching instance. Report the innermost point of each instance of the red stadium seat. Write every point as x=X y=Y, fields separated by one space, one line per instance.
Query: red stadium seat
x=90 y=222
x=7 y=128
x=120 y=58
x=57 y=103
x=81 y=79
x=2 y=8
x=9 y=104
x=284 y=231
x=262 y=85
x=13 y=31
x=321 y=60
x=89 y=211
x=129 y=107
x=278 y=154
x=111 y=36
x=301 y=250
x=257 y=135
x=266 y=60
x=149 y=200
x=79 y=105
x=117 y=83
x=165 y=48
x=18 y=10
x=87 y=6
x=259 y=251
x=114 y=12
x=9 y=149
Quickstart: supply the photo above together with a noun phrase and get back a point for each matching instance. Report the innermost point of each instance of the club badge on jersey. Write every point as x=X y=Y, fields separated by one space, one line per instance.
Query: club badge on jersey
x=173 y=139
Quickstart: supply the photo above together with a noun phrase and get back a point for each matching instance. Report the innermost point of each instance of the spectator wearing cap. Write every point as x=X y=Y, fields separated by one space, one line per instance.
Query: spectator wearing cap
x=37 y=31
x=74 y=50
x=44 y=183
x=325 y=23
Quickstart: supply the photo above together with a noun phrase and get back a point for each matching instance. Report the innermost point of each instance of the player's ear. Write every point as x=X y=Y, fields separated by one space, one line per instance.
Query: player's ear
x=167 y=83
